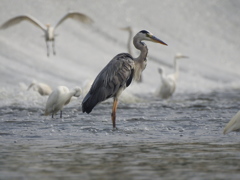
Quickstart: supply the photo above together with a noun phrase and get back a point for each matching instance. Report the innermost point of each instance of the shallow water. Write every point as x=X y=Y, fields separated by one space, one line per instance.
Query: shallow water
x=180 y=138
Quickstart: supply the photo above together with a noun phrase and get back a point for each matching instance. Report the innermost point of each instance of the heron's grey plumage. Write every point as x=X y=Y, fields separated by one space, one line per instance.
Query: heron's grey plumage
x=118 y=74
x=114 y=78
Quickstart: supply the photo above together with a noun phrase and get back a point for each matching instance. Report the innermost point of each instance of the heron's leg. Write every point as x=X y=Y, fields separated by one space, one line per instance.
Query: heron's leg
x=114 y=109
x=52 y=115
x=53 y=47
x=47 y=48
x=60 y=114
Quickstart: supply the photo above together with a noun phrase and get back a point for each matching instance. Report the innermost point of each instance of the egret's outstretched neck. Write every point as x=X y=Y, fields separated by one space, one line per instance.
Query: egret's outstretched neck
x=141 y=60
x=162 y=74
x=130 y=41
x=31 y=85
x=176 y=68
x=71 y=93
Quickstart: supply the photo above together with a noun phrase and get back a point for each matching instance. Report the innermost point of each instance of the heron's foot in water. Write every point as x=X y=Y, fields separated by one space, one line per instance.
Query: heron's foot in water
x=115 y=128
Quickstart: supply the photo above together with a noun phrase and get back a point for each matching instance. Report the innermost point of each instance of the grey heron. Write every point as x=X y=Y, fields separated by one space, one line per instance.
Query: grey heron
x=60 y=97
x=42 y=88
x=49 y=31
x=168 y=82
x=118 y=74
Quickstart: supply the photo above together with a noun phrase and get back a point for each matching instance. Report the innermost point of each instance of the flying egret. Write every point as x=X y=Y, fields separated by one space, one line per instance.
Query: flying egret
x=118 y=74
x=168 y=82
x=42 y=88
x=58 y=98
x=233 y=124
x=49 y=31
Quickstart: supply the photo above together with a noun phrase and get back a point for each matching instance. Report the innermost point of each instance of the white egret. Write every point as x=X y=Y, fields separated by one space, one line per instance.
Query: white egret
x=129 y=42
x=118 y=74
x=168 y=82
x=58 y=98
x=233 y=124
x=42 y=88
x=86 y=86
x=49 y=31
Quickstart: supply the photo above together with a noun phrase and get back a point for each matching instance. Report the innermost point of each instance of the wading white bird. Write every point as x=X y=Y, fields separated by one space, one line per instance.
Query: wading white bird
x=129 y=42
x=42 y=88
x=58 y=98
x=49 y=30
x=168 y=82
x=233 y=124
x=118 y=74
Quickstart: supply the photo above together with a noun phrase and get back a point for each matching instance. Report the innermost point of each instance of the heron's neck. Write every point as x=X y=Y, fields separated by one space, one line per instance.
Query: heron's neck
x=141 y=60
x=143 y=50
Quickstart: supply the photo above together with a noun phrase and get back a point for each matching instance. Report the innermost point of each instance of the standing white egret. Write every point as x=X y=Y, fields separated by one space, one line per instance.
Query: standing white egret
x=233 y=124
x=58 y=98
x=168 y=82
x=129 y=42
x=42 y=88
x=118 y=74
x=49 y=30
x=86 y=86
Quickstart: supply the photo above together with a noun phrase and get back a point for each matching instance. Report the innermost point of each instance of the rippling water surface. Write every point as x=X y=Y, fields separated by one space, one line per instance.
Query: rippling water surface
x=180 y=138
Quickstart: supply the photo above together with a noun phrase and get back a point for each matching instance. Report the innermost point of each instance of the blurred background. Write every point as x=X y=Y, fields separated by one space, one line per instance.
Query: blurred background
x=206 y=32
x=178 y=138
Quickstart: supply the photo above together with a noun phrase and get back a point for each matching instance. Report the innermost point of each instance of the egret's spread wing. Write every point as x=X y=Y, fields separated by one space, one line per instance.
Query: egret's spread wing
x=116 y=76
x=76 y=16
x=21 y=18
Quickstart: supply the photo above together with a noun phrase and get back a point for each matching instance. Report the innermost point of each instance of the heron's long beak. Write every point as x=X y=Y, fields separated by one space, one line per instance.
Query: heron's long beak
x=156 y=40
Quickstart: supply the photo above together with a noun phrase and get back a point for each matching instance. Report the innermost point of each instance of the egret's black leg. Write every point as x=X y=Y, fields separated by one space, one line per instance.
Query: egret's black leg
x=53 y=47
x=47 y=48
